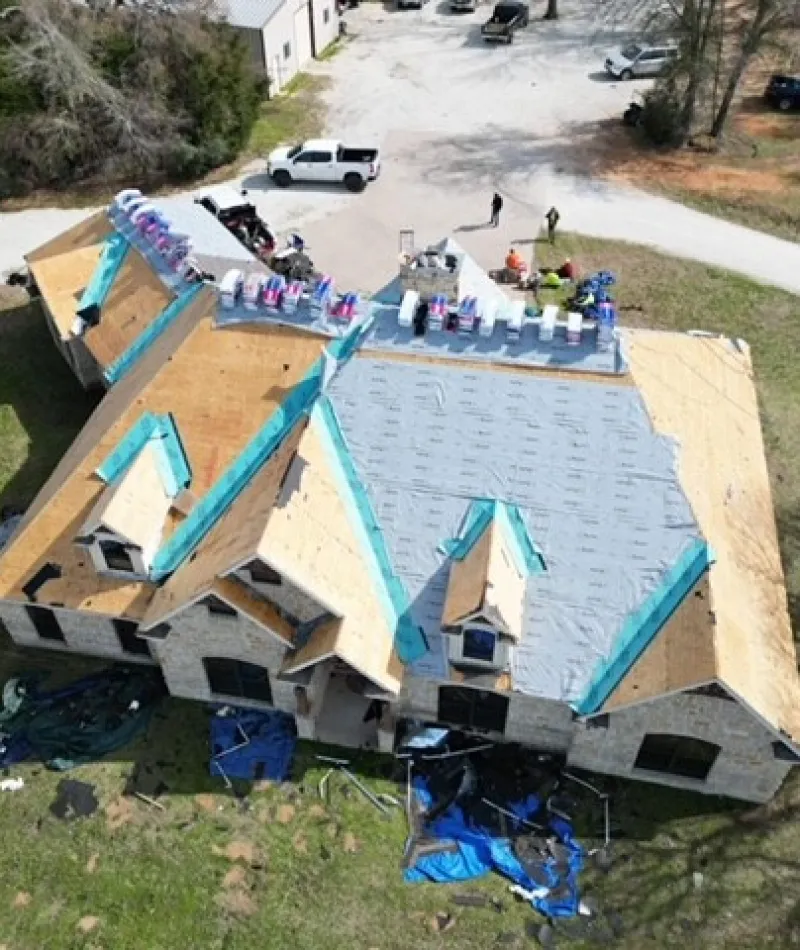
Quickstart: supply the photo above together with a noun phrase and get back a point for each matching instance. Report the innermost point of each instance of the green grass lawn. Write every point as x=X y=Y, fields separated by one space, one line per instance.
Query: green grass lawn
x=42 y=407
x=309 y=876
x=296 y=114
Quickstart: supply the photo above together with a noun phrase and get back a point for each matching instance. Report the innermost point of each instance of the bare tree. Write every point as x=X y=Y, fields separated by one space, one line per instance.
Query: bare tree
x=764 y=22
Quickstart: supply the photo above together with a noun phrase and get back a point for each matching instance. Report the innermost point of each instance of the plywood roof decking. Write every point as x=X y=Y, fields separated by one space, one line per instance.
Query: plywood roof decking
x=233 y=540
x=136 y=298
x=701 y=392
x=467 y=582
x=313 y=538
x=682 y=653
x=486 y=581
x=136 y=507
x=220 y=385
x=62 y=281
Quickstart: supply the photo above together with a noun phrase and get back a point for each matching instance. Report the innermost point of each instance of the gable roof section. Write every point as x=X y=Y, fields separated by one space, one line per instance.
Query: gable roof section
x=318 y=536
x=220 y=386
x=681 y=655
x=296 y=516
x=135 y=507
x=63 y=268
x=231 y=542
x=160 y=433
x=133 y=299
x=700 y=391
x=492 y=559
x=409 y=638
x=643 y=625
x=113 y=252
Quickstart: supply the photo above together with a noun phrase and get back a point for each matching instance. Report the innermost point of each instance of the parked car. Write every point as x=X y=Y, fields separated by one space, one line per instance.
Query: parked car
x=410 y=4
x=507 y=17
x=463 y=6
x=638 y=61
x=240 y=217
x=783 y=92
x=324 y=160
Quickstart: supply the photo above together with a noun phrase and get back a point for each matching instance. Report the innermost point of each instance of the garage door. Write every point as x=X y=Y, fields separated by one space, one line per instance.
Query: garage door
x=302 y=36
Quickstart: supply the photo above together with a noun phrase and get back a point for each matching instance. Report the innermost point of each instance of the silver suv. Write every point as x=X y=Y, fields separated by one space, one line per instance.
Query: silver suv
x=637 y=61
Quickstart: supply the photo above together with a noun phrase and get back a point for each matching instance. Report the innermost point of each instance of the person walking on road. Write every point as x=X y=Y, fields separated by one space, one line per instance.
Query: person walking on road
x=497 y=207
x=553 y=217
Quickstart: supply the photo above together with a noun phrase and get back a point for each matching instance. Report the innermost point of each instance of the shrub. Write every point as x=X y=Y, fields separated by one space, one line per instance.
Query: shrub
x=661 y=116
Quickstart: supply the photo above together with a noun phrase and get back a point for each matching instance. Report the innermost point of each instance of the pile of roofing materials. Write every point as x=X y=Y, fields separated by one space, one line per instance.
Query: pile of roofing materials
x=137 y=215
x=252 y=744
x=79 y=723
x=493 y=808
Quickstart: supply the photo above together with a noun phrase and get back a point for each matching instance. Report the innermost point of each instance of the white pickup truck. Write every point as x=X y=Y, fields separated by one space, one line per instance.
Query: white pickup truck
x=324 y=160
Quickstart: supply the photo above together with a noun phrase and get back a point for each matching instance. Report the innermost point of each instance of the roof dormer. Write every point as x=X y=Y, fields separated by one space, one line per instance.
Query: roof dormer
x=485 y=602
x=146 y=477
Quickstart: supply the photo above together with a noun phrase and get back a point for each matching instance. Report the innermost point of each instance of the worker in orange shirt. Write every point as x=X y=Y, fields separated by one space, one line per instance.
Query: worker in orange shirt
x=514 y=262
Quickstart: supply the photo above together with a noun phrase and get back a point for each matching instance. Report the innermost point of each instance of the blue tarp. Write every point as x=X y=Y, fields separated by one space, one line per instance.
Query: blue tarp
x=266 y=742
x=479 y=852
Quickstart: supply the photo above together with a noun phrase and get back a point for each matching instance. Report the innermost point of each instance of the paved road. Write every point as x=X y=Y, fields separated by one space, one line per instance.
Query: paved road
x=457 y=120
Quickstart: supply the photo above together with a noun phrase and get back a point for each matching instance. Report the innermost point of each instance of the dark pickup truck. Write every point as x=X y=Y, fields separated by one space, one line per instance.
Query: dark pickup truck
x=783 y=92
x=504 y=22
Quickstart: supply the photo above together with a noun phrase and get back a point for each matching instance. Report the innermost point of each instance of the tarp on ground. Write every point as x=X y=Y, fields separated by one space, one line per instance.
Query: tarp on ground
x=80 y=722
x=252 y=744
x=480 y=851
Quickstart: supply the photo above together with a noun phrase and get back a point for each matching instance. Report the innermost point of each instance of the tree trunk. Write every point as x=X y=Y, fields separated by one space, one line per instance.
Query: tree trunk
x=552 y=10
x=721 y=118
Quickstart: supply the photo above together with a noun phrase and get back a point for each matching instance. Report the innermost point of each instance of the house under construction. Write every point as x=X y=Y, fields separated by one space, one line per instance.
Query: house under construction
x=543 y=541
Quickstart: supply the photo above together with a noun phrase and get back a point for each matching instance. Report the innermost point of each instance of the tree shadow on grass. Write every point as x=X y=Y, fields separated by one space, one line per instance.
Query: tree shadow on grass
x=42 y=405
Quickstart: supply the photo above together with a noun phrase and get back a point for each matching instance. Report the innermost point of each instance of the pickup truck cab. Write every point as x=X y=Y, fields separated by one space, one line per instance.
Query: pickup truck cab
x=507 y=17
x=324 y=160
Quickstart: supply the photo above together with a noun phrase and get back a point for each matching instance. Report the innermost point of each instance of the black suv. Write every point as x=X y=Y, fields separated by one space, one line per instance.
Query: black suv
x=783 y=92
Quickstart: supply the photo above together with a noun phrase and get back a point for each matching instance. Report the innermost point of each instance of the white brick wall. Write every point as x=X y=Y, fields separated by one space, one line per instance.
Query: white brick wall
x=745 y=768
x=196 y=634
x=83 y=633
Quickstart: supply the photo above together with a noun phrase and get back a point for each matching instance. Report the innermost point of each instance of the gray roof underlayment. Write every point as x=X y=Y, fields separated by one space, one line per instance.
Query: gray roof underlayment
x=596 y=486
x=212 y=242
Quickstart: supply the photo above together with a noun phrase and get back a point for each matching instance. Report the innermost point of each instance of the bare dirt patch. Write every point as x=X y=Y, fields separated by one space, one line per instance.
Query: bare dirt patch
x=285 y=814
x=119 y=812
x=21 y=899
x=87 y=924
x=236 y=877
x=237 y=902
x=205 y=802
x=91 y=864
x=241 y=850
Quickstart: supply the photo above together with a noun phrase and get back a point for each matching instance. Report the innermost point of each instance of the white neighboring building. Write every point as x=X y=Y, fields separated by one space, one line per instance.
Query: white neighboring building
x=284 y=35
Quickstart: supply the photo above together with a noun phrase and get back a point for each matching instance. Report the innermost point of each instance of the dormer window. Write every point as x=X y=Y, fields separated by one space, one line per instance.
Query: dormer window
x=117 y=557
x=479 y=643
